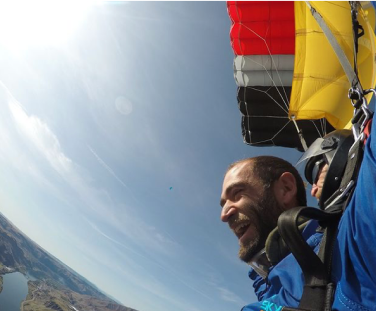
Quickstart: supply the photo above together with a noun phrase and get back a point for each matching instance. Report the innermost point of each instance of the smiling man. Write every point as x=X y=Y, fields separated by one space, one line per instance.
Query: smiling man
x=255 y=192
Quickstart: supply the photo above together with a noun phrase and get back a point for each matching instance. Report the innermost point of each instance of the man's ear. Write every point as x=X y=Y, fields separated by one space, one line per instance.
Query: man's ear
x=285 y=190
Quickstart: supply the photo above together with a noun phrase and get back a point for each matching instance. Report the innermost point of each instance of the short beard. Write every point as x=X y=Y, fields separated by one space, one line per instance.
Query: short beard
x=246 y=252
x=265 y=217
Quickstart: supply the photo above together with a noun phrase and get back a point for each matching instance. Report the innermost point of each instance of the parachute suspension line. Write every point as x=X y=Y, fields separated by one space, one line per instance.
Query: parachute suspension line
x=349 y=71
x=280 y=130
x=276 y=134
x=323 y=124
x=285 y=100
x=248 y=122
x=272 y=98
x=287 y=104
x=275 y=66
x=270 y=139
x=249 y=132
x=323 y=127
x=300 y=133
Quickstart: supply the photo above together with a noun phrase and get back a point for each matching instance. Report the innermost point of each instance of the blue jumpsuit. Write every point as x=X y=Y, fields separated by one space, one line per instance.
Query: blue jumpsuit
x=354 y=257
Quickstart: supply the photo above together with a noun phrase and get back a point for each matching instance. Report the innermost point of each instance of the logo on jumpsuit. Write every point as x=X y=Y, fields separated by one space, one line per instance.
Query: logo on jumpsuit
x=270 y=306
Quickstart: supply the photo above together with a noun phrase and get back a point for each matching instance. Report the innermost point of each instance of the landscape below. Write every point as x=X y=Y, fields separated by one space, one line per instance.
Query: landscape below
x=55 y=285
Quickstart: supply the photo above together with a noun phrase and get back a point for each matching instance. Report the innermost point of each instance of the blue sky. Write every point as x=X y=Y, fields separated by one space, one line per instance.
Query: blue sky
x=115 y=132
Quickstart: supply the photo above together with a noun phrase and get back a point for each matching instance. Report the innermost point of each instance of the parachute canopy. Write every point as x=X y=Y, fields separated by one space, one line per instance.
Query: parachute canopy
x=288 y=75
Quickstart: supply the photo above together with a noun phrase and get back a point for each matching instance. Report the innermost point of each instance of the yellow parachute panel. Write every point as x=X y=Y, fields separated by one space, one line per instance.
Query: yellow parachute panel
x=320 y=85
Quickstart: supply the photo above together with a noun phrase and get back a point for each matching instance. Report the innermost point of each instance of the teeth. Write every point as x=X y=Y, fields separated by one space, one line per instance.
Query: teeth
x=239 y=229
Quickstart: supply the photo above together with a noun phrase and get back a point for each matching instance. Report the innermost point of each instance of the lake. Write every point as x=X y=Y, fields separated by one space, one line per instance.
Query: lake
x=14 y=291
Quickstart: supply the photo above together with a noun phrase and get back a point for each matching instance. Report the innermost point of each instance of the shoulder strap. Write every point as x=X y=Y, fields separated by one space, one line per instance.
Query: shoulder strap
x=318 y=291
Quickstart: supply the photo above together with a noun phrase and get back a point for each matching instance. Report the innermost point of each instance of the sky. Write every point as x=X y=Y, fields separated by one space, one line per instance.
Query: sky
x=118 y=121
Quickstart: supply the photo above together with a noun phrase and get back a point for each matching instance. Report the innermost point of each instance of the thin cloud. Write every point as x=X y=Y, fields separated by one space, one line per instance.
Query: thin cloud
x=136 y=229
x=160 y=290
x=13 y=151
x=229 y=296
x=94 y=199
x=108 y=168
x=97 y=200
x=151 y=260
x=117 y=242
x=112 y=173
x=47 y=144
x=42 y=137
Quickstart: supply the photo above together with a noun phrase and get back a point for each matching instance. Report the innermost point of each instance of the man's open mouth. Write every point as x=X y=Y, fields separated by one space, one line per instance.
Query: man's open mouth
x=240 y=229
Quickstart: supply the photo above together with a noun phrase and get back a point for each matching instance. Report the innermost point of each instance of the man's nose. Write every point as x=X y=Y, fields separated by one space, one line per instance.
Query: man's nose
x=227 y=211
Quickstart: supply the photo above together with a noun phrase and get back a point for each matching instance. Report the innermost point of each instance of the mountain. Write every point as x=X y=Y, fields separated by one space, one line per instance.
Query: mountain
x=58 y=286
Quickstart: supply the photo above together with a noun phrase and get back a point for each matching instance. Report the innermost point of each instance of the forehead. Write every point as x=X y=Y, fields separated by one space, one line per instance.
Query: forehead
x=242 y=172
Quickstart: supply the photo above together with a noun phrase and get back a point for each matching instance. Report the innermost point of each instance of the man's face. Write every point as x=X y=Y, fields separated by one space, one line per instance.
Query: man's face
x=319 y=182
x=251 y=211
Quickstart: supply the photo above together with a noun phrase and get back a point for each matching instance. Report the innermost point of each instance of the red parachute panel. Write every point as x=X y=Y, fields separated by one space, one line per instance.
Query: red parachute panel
x=262 y=28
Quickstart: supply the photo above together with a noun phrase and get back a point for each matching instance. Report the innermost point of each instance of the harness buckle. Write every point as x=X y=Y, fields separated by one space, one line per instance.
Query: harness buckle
x=344 y=192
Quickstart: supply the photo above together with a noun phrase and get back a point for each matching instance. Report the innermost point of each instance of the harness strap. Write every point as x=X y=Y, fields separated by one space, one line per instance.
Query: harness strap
x=350 y=175
x=318 y=291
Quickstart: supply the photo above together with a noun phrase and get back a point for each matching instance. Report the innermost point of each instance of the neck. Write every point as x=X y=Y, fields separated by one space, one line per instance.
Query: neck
x=260 y=264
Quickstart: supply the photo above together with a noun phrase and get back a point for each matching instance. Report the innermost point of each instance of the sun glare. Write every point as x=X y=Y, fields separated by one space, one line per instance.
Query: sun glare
x=41 y=22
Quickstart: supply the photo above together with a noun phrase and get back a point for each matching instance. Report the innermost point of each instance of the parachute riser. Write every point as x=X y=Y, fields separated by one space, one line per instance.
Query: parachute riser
x=358 y=31
x=300 y=133
x=362 y=115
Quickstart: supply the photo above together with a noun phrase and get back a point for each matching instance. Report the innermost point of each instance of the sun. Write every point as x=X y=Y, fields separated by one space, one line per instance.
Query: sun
x=39 y=22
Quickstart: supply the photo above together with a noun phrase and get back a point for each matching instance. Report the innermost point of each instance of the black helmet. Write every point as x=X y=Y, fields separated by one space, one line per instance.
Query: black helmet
x=333 y=150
